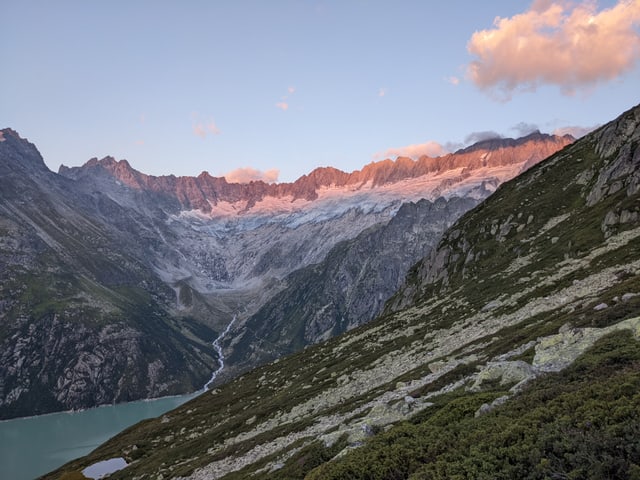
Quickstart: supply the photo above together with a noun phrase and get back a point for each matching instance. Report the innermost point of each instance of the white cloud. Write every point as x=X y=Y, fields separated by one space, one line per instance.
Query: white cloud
x=523 y=129
x=568 y=44
x=431 y=149
x=574 y=131
x=202 y=130
x=248 y=174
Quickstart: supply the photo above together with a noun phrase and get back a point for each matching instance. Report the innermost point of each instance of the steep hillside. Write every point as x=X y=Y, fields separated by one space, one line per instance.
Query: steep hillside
x=513 y=352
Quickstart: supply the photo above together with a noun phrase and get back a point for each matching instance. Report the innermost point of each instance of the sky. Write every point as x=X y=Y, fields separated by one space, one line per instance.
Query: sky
x=271 y=90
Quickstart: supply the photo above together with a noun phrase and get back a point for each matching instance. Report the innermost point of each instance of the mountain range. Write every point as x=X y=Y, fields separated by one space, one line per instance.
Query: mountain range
x=511 y=350
x=115 y=283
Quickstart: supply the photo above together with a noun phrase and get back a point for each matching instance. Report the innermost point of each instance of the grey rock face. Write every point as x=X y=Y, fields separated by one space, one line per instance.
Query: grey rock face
x=505 y=373
x=347 y=289
x=623 y=171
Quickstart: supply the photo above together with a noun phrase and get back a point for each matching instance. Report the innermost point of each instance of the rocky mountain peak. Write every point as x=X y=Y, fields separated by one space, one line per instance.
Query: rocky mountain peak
x=204 y=192
x=18 y=153
x=498 y=143
x=623 y=130
x=120 y=170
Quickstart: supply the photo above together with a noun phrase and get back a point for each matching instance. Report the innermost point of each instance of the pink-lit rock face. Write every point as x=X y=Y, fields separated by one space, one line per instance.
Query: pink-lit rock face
x=388 y=181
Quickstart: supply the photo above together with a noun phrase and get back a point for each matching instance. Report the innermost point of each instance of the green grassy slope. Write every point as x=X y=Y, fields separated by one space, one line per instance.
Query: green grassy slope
x=512 y=351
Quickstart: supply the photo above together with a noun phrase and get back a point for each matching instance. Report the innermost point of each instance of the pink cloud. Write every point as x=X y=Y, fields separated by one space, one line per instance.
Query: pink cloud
x=431 y=149
x=453 y=80
x=283 y=104
x=572 y=45
x=248 y=174
x=382 y=92
x=199 y=130
x=203 y=128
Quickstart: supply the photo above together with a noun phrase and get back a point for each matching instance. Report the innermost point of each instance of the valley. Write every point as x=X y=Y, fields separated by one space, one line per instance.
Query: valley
x=117 y=282
x=511 y=347
x=320 y=240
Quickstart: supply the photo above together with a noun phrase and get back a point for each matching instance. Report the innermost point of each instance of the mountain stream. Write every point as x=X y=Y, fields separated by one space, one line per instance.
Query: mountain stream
x=218 y=348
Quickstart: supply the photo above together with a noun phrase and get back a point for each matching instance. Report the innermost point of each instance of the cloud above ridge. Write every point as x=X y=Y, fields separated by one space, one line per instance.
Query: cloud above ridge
x=571 y=45
x=574 y=131
x=415 y=151
x=475 y=137
x=248 y=174
x=523 y=129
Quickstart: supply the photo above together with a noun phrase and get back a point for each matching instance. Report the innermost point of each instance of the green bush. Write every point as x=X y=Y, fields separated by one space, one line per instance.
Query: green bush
x=581 y=423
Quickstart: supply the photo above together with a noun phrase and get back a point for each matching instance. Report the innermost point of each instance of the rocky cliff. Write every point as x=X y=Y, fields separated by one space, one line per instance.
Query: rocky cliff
x=512 y=348
x=83 y=320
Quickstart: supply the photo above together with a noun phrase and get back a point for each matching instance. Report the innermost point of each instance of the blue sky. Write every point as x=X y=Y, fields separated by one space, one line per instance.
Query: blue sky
x=287 y=86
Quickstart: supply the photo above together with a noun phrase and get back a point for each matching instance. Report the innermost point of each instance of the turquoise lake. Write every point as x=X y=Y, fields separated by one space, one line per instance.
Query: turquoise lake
x=30 y=447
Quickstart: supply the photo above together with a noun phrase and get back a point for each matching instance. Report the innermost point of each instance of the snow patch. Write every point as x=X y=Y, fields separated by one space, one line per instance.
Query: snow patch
x=105 y=468
x=334 y=202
